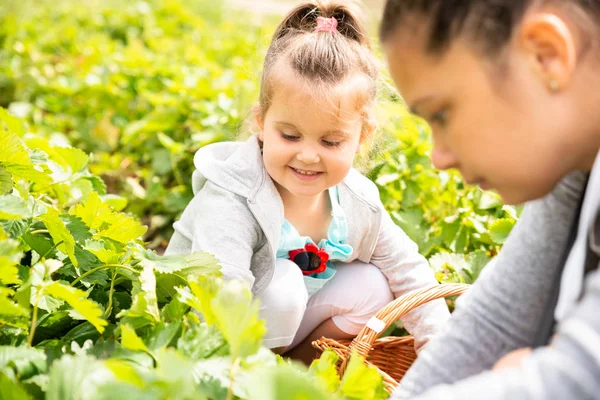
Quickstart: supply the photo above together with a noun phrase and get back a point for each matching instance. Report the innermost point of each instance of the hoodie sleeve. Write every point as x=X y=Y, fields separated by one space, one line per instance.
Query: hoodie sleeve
x=406 y=270
x=502 y=310
x=219 y=222
x=568 y=369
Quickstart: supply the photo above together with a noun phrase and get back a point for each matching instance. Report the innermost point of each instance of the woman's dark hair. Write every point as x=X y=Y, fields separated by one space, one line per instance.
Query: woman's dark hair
x=489 y=22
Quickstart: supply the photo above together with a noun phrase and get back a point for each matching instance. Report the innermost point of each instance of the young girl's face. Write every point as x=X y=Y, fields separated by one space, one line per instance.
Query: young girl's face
x=310 y=140
x=496 y=121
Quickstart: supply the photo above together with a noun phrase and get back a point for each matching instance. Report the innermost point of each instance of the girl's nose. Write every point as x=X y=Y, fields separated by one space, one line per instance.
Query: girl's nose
x=308 y=156
x=443 y=158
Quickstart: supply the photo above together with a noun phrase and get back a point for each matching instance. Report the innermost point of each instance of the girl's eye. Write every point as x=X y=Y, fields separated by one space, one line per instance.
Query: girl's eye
x=291 y=138
x=329 y=143
x=440 y=117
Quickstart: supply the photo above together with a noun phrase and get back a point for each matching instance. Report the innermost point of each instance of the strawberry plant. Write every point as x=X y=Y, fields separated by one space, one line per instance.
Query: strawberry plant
x=87 y=312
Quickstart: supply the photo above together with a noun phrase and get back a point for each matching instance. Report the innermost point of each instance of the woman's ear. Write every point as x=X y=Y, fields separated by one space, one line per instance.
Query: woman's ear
x=257 y=115
x=550 y=46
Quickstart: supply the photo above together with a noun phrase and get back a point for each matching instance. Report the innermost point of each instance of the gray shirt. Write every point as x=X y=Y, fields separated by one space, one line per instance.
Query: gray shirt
x=502 y=312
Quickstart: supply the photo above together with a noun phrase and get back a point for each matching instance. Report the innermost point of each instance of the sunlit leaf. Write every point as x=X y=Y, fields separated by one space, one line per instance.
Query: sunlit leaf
x=60 y=234
x=78 y=300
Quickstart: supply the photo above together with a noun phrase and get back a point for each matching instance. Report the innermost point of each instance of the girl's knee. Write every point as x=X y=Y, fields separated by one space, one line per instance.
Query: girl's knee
x=286 y=290
x=369 y=285
x=283 y=304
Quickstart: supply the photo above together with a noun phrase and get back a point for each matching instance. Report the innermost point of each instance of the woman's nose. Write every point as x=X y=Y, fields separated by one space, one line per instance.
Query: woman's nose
x=443 y=158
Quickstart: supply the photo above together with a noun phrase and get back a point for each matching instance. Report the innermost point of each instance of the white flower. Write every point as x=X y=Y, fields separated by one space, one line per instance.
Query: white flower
x=440 y=261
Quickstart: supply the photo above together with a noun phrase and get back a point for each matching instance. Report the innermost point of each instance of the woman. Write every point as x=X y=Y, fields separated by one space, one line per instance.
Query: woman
x=511 y=90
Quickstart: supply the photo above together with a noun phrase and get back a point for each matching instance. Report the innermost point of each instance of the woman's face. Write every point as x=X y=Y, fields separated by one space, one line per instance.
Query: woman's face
x=494 y=119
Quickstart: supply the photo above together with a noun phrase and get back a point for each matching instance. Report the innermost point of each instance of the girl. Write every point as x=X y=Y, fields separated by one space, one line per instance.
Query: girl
x=285 y=212
x=511 y=89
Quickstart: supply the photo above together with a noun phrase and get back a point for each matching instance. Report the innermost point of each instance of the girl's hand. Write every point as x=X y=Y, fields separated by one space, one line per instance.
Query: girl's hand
x=512 y=359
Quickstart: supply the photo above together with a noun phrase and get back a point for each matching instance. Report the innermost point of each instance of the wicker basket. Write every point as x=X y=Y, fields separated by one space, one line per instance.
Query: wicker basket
x=391 y=355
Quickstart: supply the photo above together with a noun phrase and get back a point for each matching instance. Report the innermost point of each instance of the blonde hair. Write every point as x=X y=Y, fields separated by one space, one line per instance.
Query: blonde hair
x=323 y=58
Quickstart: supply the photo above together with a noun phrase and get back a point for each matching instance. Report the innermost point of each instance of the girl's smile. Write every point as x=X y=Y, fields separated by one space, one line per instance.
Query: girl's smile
x=309 y=137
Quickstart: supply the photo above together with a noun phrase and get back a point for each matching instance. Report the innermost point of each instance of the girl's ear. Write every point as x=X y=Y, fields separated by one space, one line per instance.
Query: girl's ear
x=257 y=115
x=368 y=129
x=550 y=47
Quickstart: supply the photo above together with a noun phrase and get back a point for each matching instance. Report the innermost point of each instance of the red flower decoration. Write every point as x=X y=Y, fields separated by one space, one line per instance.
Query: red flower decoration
x=310 y=259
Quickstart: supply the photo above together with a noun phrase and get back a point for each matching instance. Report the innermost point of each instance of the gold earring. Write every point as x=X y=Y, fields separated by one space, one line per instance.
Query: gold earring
x=553 y=84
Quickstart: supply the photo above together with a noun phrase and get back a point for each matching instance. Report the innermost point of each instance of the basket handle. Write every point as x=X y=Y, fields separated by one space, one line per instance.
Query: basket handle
x=397 y=309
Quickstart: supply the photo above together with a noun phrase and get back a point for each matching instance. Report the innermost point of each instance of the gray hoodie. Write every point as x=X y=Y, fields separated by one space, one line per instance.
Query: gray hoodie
x=237 y=214
x=502 y=313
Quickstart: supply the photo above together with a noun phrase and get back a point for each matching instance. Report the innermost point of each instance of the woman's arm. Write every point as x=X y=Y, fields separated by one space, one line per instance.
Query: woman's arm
x=502 y=311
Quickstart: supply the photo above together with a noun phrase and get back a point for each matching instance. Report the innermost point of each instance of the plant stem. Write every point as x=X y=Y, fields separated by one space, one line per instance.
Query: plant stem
x=52 y=248
x=234 y=366
x=110 y=293
x=91 y=271
x=34 y=317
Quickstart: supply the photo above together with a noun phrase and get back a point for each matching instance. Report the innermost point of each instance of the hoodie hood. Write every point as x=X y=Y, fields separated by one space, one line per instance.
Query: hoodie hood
x=236 y=166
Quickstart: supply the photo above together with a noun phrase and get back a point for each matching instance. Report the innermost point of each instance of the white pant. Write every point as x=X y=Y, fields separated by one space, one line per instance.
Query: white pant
x=354 y=294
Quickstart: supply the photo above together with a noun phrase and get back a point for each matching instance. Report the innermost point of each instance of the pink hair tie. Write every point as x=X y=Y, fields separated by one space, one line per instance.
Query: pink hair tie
x=326 y=25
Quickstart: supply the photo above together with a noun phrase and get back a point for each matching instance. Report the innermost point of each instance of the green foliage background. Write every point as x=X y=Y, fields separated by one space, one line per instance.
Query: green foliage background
x=107 y=103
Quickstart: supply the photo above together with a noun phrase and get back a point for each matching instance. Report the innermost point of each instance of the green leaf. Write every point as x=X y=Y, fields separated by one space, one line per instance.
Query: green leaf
x=10 y=256
x=77 y=299
x=60 y=234
x=74 y=158
x=228 y=305
x=71 y=377
x=325 y=370
x=12 y=149
x=29 y=174
x=77 y=227
x=201 y=341
x=237 y=317
x=10 y=124
x=489 y=200
x=81 y=333
x=478 y=260
x=410 y=221
x=174 y=311
x=284 y=382
x=16 y=227
x=145 y=302
x=196 y=263
x=122 y=228
x=163 y=335
x=12 y=207
x=124 y=371
x=23 y=361
x=10 y=308
x=10 y=390
x=130 y=340
x=41 y=244
x=91 y=211
x=6 y=183
x=173 y=371
x=98 y=184
x=500 y=229
x=362 y=382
